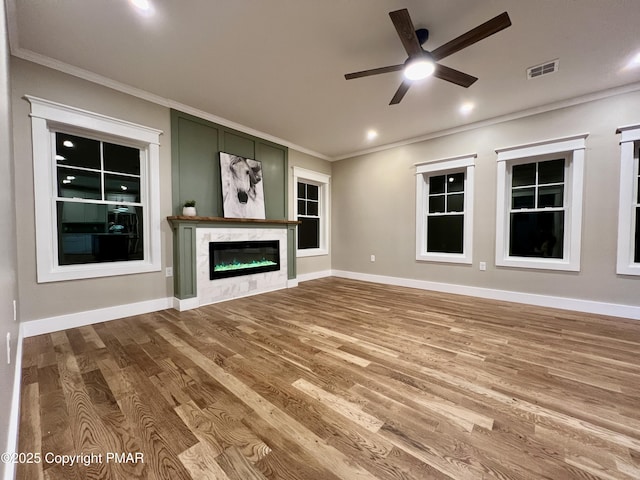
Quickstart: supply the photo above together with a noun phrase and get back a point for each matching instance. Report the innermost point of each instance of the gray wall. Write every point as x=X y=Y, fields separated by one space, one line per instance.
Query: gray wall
x=298 y=159
x=376 y=196
x=8 y=265
x=58 y=298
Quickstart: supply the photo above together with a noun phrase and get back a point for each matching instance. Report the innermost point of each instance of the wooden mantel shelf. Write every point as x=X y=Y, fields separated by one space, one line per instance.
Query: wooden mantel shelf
x=182 y=218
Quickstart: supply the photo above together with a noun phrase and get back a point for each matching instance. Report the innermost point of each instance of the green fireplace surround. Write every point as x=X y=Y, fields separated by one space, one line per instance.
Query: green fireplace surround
x=195 y=175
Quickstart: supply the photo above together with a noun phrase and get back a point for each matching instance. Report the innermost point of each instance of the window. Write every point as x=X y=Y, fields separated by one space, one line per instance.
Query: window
x=629 y=207
x=539 y=207
x=99 y=214
x=97 y=194
x=444 y=210
x=312 y=209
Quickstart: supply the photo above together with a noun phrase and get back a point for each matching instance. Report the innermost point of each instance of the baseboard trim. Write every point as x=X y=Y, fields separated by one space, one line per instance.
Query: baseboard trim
x=292 y=282
x=305 y=277
x=14 y=414
x=80 y=319
x=563 y=303
x=185 y=304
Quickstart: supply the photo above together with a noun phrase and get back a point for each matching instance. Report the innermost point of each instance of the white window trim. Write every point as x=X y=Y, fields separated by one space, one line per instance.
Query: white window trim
x=626 y=213
x=324 y=182
x=573 y=149
x=441 y=167
x=46 y=117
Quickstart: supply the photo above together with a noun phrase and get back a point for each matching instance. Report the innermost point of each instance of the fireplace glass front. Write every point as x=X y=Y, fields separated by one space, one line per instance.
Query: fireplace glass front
x=232 y=259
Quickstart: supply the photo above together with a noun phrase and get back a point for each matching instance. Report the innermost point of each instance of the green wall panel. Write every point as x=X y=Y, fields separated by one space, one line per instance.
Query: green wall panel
x=274 y=171
x=198 y=167
x=238 y=145
x=196 y=144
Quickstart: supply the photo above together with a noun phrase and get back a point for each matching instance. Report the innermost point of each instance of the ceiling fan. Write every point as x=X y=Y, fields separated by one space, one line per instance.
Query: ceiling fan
x=422 y=63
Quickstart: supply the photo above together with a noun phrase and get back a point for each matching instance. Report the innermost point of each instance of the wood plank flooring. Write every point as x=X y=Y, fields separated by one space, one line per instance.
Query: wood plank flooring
x=338 y=379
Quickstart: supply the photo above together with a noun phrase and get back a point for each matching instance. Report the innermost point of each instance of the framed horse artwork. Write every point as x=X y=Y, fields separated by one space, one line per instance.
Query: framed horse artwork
x=242 y=187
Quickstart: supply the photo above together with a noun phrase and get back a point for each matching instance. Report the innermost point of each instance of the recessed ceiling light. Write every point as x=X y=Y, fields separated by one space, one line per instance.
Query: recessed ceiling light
x=66 y=181
x=60 y=157
x=70 y=177
x=123 y=187
x=68 y=144
x=143 y=5
x=634 y=62
x=371 y=134
x=466 y=108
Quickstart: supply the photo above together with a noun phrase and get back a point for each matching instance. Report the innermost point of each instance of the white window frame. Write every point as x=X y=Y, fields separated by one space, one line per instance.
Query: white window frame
x=48 y=117
x=572 y=149
x=323 y=182
x=425 y=170
x=629 y=165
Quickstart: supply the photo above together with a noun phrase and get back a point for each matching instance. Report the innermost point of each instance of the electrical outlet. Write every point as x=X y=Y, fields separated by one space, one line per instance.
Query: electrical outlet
x=169 y=271
x=373 y=258
x=9 y=348
x=483 y=266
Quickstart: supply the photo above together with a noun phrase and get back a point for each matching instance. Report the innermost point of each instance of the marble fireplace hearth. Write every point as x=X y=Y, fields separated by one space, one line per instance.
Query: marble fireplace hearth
x=192 y=236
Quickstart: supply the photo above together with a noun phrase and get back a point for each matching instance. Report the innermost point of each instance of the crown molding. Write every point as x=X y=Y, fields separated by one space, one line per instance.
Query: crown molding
x=49 y=62
x=590 y=97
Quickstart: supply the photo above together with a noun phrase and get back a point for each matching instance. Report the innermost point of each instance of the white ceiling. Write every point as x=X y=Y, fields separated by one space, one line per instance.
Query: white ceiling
x=277 y=67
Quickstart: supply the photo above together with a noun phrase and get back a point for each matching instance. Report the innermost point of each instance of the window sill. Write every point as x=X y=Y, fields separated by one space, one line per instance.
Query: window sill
x=539 y=264
x=311 y=252
x=444 y=258
x=631 y=269
x=96 y=270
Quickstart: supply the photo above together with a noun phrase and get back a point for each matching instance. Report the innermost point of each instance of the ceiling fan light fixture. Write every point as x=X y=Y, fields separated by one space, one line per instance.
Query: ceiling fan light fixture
x=419 y=67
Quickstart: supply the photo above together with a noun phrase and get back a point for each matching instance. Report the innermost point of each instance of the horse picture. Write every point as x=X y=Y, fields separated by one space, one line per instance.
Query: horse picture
x=242 y=187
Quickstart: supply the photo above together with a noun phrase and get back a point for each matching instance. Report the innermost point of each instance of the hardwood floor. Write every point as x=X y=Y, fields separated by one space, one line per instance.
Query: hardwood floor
x=338 y=379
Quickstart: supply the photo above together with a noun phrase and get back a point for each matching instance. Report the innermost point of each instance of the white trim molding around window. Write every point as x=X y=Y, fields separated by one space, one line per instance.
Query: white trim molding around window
x=539 y=204
x=311 y=207
x=444 y=209
x=629 y=207
x=97 y=194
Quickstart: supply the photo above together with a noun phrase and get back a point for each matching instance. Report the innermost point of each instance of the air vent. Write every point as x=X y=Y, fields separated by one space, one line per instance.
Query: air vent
x=542 y=69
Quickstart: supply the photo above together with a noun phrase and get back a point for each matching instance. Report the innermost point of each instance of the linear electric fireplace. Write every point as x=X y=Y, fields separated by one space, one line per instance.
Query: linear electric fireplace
x=232 y=259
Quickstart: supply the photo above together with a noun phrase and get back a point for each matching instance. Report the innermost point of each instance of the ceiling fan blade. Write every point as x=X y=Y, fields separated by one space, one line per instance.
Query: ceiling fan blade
x=402 y=90
x=374 y=71
x=454 y=76
x=474 y=35
x=406 y=31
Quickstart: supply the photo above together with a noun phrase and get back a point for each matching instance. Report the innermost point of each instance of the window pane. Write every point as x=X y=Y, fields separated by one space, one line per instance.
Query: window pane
x=537 y=234
x=121 y=189
x=523 y=198
x=73 y=183
x=77 y=151
x=302 y=207
x=309 y=233
x=523 y=175
x=445 y=234
x=302 y=192
x=436 y=184
x=636 y=256
x=436 y=204
x=92 y=233
x=455 y=203
x=551 y=171
x=455 y=182
x=312 y=208
x=118 y=158
x=312 y=192
x=550 y=196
